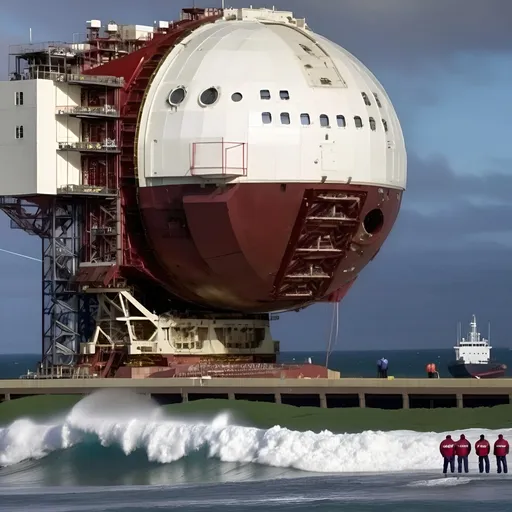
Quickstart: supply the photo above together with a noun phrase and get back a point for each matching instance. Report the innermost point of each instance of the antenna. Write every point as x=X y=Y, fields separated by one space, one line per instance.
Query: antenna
x=223 y=4
x=30 y=35
x=489 y=332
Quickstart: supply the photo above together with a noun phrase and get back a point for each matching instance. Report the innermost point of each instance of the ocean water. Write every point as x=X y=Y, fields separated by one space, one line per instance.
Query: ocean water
x=402 y=363
x=119 y=452
x=115 y=451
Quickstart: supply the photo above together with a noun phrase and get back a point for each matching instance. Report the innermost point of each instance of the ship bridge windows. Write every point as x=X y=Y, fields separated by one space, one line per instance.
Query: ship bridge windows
x=358 y=122
x=366 y=99
x=265 y=94
x=177 y=96
x=340 y=120
x=209 y=96
x=285 y=118
x=284 y=95
x=373 y=125
x=324 y=120
x=236 y=97
x=266 y=117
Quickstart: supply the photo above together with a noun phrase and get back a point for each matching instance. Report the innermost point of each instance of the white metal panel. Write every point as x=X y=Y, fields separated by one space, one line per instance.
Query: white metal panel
x=249 y=56
x=27 y=163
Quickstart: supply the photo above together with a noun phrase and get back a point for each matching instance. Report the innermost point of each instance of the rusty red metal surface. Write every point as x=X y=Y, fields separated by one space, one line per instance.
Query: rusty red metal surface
x=245 y=247
x=233 y=248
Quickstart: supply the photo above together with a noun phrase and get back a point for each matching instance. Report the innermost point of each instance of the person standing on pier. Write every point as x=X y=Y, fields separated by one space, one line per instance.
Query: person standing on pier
x=501 y=449
x=462 y=451
x=447 y=449
x=482 y=449
x=382 y=368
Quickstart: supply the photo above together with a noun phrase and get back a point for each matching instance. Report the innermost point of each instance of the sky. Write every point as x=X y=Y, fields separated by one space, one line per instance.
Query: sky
x=447 y=67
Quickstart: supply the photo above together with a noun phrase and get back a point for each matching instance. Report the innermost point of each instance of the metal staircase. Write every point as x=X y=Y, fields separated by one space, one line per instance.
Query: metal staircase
x=325 y=226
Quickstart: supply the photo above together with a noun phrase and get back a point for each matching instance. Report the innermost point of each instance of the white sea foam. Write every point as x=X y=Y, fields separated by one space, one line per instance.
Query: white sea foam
x=119 y=419
x=442 y=482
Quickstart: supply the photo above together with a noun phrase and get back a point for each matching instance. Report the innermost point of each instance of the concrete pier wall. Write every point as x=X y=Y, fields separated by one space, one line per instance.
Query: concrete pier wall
x=325 y=393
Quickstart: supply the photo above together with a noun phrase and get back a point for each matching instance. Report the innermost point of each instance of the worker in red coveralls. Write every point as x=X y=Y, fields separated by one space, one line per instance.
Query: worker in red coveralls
x=501 y=449
x=482 y=449
x=462 y=451
x=447 y=449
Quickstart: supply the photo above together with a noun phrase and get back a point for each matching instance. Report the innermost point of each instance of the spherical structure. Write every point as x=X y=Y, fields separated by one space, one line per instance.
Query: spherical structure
x=270 y=165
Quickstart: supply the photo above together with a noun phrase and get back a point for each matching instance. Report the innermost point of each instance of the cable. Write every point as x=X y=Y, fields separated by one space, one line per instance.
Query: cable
x=21 y=255
x=330 y=345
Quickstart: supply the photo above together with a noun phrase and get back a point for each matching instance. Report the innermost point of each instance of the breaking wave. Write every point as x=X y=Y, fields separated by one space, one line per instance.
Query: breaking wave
x=136 y=425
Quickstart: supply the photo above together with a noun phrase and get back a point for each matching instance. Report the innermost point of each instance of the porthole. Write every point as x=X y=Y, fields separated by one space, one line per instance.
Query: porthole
x=209 y=96
x=176 y=96
x=236 y=97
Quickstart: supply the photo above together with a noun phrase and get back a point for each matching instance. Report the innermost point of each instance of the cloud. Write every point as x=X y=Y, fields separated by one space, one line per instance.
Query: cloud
x=436 y=268
x=411 y=300
x=433 y=180
x=406 y=32
x=443 y=209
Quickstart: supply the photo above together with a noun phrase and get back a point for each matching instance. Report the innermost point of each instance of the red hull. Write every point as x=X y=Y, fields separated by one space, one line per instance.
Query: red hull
x=231 y=248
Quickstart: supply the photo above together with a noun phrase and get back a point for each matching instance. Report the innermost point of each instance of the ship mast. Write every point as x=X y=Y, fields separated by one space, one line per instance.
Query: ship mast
x=473 y=335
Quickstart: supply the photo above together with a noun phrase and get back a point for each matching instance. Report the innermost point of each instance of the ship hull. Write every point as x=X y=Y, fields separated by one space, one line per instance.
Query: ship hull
x=477 y=371
x=234 y=247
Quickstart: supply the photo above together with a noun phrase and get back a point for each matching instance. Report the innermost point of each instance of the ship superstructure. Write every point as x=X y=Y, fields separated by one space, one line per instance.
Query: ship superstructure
x=190 y=178
x=473 y=356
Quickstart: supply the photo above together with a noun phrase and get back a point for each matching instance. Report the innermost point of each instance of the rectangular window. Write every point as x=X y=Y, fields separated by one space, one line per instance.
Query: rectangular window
x=284 y=95
x=305 y=119
x=285 y=118
x=265 y=94
x=266 y=117
x=19 y=132
x=19 y=98
x=340 y=119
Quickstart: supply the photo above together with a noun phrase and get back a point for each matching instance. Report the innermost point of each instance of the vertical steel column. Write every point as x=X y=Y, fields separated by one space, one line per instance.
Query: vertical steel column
x=61 y=303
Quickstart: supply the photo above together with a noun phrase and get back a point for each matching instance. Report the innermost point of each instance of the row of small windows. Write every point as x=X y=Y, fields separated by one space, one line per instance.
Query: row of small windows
x=305 y=120
x=285 y=95
x=265 y=94
x=211 y=95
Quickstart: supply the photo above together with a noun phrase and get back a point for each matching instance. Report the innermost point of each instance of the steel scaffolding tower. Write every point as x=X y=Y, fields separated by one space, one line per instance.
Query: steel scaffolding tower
x=67 y=313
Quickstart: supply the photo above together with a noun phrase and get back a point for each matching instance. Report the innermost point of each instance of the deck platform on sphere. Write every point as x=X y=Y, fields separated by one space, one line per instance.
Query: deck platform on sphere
x=325 y=393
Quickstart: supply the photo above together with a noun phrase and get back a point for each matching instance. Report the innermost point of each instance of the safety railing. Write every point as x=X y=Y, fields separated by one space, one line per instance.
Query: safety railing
x=108 y=145
x=104 y=111
x=219 y=158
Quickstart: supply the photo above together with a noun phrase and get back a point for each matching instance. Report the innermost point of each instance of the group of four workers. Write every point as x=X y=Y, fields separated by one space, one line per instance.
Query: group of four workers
x=462 y=448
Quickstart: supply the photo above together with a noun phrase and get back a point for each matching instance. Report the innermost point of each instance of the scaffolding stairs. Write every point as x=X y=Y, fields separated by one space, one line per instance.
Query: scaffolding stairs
x=323 y=232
